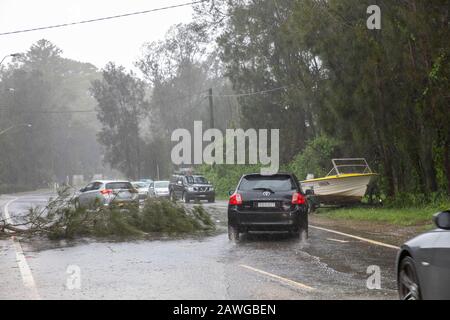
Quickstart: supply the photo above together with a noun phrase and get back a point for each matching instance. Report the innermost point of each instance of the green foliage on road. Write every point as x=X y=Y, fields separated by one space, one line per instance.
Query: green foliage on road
x=60 y=220
x=163 y=216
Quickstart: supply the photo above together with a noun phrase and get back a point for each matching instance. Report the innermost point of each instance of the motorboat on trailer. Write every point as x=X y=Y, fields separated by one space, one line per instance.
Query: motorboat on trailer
x=346 y=183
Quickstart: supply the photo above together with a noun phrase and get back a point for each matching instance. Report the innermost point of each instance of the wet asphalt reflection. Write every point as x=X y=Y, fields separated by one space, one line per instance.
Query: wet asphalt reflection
x=260 y=266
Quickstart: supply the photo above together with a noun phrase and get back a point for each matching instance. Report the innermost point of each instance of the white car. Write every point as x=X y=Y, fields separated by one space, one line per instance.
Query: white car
x=159 y=189
x=142 y=188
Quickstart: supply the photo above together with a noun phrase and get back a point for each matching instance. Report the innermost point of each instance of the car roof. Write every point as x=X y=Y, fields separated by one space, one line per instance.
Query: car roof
x=110 y=181
x=268 y=175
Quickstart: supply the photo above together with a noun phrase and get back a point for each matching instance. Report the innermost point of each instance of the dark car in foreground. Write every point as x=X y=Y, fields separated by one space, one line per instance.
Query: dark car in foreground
x=423 y=263
x=267 y=203
x=191 y=187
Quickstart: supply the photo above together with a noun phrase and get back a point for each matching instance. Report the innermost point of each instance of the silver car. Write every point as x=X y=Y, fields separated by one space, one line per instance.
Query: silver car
x=159 y=189
x=423 y=263
x=107 y=193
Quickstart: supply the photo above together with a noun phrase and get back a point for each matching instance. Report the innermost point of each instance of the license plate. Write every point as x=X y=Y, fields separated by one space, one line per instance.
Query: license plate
x=266 y=204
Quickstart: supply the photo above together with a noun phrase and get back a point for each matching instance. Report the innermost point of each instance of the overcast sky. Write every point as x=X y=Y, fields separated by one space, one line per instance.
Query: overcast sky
x=118 y=40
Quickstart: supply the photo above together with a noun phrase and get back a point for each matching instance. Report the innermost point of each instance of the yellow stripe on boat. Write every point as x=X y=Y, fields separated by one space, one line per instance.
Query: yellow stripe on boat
x=341 y=176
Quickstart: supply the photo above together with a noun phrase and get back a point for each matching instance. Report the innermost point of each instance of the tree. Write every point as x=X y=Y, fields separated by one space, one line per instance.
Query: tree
x=43 y=88
x=257 y=57
x=384 y=93
x=180 y=69
x=121 y=106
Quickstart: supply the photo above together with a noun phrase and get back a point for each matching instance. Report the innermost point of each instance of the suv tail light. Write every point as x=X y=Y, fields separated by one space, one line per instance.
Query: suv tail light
x=106 y=191
x=298 y=198
x=235 y=199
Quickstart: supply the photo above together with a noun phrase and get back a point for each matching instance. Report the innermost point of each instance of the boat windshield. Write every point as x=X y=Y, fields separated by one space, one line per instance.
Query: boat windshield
x=349 y=166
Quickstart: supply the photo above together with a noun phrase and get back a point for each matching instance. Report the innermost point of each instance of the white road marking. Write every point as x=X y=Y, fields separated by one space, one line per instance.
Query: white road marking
x=25 y=271
x=274 y=276
x=378 y=243
x=337 y=240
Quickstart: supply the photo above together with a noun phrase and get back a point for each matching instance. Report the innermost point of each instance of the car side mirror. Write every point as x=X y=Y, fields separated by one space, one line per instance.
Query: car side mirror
x=82 y=189
x=442 y=220
x=230 y=193
x=309 y=192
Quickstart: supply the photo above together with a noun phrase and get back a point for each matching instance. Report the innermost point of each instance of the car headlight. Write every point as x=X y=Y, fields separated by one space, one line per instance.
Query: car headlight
x=190 y=189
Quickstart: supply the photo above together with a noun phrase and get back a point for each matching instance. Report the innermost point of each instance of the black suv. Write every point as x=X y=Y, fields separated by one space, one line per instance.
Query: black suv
x=268 y=203
x=191 y=187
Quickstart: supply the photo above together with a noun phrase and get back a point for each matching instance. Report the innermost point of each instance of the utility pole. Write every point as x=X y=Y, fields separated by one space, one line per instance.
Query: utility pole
x=211 y=108
x=211 y=113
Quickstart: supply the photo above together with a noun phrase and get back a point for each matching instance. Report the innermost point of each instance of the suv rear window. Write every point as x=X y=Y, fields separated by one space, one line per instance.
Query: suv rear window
x=274 y=183
x=119 y=185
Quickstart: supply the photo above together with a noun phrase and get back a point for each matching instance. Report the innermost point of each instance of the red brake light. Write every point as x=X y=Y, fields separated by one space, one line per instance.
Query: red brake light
x=106 y=191
x=298 y=198
x=235 y=199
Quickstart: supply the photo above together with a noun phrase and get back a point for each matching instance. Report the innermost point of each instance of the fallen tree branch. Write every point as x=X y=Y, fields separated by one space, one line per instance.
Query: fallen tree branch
x=60 y=219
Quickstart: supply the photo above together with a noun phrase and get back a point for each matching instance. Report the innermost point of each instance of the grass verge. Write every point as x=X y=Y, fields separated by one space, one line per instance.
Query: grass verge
x=398 y=217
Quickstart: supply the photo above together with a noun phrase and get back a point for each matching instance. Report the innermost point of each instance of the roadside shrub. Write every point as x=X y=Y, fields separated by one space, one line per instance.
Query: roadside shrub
x=315 y=158
x=419 y=200
x=226 y=177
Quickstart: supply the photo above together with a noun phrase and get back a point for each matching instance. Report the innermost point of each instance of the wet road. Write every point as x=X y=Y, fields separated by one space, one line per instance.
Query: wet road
x=328 y=266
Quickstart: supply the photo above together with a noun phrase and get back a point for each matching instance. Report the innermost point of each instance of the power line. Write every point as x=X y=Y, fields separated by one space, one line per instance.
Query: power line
x=61 y=111
x=102 y=19
x=198 y=95
x=50 y=111
x=237 y=95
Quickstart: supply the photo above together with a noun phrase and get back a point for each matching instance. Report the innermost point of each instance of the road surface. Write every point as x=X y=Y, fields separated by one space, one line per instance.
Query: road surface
x=328 y=266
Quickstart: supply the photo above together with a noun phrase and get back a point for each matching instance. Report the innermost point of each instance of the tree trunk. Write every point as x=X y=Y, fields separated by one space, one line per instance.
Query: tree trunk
x=446 y=163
